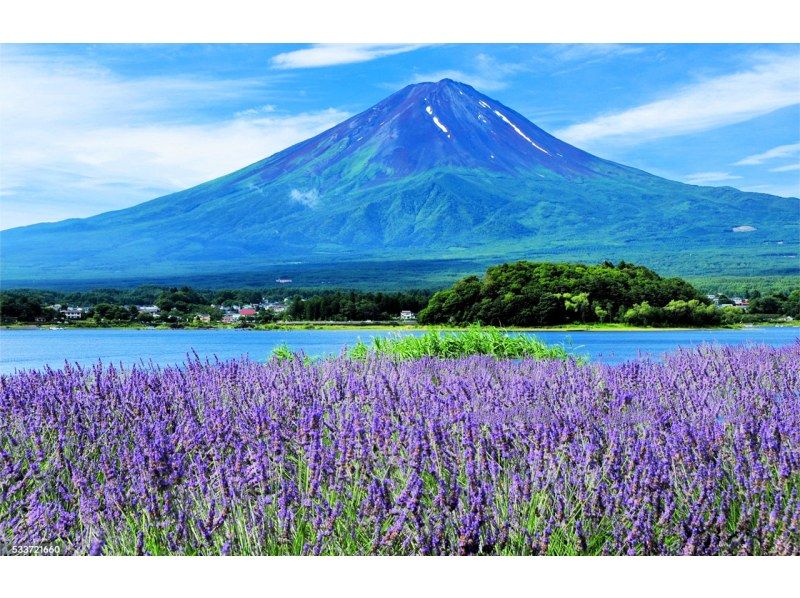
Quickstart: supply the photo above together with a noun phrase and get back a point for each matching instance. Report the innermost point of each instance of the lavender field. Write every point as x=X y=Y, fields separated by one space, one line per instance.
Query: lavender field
x=696 y=454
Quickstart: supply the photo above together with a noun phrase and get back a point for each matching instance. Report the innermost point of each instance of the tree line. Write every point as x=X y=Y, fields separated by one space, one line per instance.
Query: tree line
x=515 y=294
x=354 y=305
x=177 y=304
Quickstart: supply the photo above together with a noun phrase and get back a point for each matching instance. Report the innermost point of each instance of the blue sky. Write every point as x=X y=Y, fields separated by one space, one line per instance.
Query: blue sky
x=90 y=128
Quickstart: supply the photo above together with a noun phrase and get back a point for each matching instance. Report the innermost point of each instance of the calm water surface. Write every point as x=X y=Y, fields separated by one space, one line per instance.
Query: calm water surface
x=33 y=349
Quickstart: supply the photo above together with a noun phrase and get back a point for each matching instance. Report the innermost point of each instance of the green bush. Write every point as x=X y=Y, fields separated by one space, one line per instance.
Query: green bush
x=473 y=341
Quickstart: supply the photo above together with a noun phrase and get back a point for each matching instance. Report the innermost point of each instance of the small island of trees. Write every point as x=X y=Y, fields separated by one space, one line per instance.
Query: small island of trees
x=545 y=294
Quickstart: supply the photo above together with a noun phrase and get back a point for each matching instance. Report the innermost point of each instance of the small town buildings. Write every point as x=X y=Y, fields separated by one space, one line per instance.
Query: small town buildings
x=283 y=280
x=407 y=315
x=740 y=303
x=205 y=318
x=148 y=309
x=247 y=312
x=73 y=313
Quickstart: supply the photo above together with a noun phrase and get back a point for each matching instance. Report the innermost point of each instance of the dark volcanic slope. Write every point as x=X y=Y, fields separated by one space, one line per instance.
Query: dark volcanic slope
x=435 y=171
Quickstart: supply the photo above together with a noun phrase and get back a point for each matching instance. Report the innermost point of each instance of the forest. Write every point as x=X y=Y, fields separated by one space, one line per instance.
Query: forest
x=546 y=294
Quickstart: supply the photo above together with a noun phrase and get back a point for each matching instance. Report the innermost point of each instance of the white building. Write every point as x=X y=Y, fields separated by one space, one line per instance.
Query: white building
x=148 y=309
x=407 y=315
x=73 y=313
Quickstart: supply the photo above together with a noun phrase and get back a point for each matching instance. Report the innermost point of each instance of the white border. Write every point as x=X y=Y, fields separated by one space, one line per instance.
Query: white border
x=404 y=577
x=382 y=21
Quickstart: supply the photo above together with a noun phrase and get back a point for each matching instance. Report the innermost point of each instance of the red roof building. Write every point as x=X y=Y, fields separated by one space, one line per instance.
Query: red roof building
x=247 y=311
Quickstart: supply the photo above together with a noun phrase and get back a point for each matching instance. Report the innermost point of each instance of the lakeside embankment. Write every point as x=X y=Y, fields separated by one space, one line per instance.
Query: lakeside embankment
x=391 y=327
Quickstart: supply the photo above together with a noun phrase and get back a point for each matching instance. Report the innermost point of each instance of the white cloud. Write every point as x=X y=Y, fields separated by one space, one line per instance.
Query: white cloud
x=332 y=54
x=97 y=142
x=704 y=178
x=486 y=73
x=768 y=85
x=591 y=52
x=308 y=198
x=265 y=109
x=782 y=151
x=786 y=168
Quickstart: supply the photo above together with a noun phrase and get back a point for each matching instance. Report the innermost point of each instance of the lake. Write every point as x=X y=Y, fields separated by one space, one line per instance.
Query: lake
x=33 y=349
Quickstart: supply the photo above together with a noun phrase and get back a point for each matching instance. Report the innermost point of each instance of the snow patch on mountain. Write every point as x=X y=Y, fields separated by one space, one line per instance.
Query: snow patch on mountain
x=439 y=124
x=520 y=133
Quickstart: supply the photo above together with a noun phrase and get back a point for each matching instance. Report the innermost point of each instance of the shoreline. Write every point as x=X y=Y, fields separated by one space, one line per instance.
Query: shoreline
x=300 y=326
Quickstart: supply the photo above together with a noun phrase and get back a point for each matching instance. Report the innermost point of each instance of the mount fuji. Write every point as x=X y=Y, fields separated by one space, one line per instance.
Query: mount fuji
x=437 y=178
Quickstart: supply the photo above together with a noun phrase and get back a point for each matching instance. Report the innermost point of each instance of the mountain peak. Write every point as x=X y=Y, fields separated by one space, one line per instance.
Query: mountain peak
x=449 y=124
x=446 y=82
x=446 y=85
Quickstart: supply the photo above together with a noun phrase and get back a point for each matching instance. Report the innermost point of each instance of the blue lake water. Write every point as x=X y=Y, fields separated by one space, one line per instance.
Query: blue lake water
x=33 y=349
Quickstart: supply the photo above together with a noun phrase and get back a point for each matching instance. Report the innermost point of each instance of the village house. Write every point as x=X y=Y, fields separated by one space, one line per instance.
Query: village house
x=205 y=318
x=740 y=303
x=73 y=313
x=407 y=315
x=247 y=312
x=148 y=309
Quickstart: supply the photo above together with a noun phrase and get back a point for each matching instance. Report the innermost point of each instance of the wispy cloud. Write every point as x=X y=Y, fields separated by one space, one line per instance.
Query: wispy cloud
x=768 y=85
x=782 y=151
x=485 y=74
x=705 y=178
x=320 y=55
x=591 y=52
x=265 y=109
x=786 y=168
x=98 y=141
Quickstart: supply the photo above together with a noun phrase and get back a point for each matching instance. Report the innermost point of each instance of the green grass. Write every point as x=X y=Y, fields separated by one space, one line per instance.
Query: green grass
x=472 y=341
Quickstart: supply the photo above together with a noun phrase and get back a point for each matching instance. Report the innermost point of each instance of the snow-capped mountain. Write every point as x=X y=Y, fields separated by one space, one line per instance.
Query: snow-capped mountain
x=436 y=171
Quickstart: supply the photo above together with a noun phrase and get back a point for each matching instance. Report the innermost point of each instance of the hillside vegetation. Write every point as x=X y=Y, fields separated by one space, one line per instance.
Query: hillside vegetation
x=543 y=294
